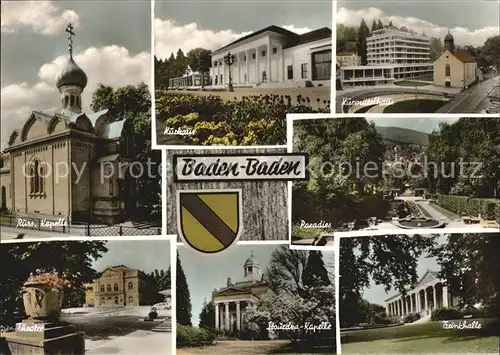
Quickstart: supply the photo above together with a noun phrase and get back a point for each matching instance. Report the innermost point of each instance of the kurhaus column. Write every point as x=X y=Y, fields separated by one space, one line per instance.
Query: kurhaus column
x=269 y=77
x=217 y=315
x=226 y=316
x=257 y=74
x=417 y=301
x=247 y=59
x=281 y=70
x=238 y=315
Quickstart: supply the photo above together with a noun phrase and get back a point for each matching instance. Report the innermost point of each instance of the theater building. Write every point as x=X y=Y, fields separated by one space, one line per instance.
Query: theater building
x=120 y=286
x=275 y=57
x=429 y=293
x=392 y=55
x=230 y=301
x=66 y=164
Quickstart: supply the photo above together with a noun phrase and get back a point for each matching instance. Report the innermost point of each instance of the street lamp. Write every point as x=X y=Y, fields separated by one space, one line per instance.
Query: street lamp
x=229 y=60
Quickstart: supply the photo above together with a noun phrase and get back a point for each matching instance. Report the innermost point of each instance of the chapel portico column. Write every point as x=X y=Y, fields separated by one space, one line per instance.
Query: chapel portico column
x=217 y=326
x=226 y=316
x=238 y=315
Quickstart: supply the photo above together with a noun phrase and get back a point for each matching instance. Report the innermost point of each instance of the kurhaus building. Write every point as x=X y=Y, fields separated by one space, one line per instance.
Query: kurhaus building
x=230 y=301
x=69 y=164
x=392 y=54
x=272 y=57
x=120 y=286
x=429 y=293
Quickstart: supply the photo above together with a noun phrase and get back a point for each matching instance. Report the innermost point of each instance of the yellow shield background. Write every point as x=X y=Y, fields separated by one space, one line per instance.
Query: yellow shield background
x=209 y=220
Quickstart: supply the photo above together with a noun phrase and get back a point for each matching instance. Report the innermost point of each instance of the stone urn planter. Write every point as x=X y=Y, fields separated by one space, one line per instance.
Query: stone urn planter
x=42 y=301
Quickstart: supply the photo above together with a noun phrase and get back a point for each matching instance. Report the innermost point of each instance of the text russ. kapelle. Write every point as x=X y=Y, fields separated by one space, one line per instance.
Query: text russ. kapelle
x=247 y=167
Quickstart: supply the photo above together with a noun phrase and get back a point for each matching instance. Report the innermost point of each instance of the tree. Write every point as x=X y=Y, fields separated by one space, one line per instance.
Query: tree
x=489 y=53
x=391 y=25
x=315 y=273
x=133 y=103
x=380 y=25
x=284 y=272
x=74 y=259
x=199 y=59
x=469 y=263
x=161 y=280
x=374 y=26
x=437 y=48
x=345 y=35
x=466 y=140
x=389 y=260
x=363 y=32
x=183 y=296
x=207 y=315
x=303 y=294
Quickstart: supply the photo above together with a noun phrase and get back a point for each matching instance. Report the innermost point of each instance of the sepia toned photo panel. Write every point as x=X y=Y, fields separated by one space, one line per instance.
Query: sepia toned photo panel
x=417 y=57
x=86 y=297
x=258 y=299
x=419 y=294
x=379 y=174
x=76 y=154
x=230 y=78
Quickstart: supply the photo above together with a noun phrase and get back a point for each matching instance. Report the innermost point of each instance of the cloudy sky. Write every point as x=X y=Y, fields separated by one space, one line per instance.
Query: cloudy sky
x=470 y=22
x=376 y=293
x=112 y=45
x=189 y=24
x=144 y=255
x=206 y=273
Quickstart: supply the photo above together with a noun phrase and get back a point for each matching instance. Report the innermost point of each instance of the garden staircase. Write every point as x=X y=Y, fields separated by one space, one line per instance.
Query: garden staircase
x=163 y=327
x=424 y=319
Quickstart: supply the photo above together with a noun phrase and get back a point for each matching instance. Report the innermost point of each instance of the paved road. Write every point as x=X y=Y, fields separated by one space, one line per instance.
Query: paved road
x=138 y=342
x=473 y=100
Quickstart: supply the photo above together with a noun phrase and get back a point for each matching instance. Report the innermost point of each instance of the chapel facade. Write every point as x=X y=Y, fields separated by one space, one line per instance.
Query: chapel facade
x=70 y=164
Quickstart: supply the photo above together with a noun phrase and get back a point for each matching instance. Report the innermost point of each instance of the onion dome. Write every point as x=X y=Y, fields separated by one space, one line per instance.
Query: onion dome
x=71 y=74
x=251 y=261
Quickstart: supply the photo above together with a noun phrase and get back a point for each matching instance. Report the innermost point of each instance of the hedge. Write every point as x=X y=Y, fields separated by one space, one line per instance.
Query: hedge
x=253 y=120
x=446 y=313
x=488 y=208
x=188 y=336
x=412 y=317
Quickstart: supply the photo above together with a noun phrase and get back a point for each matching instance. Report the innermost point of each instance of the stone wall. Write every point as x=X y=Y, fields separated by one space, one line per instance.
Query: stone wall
x=82 y=155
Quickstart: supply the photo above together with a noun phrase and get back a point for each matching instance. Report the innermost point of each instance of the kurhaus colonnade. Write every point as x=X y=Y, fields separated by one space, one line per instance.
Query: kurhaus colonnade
x=251 y=66
x=430 y=293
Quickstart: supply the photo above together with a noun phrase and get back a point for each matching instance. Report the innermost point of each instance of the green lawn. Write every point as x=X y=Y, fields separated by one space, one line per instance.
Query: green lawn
x=411 y=83
x=305 y=233
x=5 y=220
x=415 y=106
x=423 y=338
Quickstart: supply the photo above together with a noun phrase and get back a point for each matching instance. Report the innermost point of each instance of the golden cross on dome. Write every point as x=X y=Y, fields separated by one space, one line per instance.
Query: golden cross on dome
x=71 y=33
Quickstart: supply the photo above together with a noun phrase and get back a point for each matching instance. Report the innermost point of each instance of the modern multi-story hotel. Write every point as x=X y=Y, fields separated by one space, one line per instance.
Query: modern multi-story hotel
x=392 y=54
x=271 y=57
